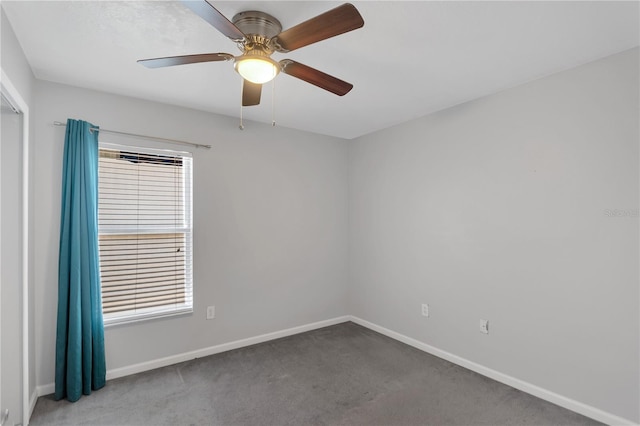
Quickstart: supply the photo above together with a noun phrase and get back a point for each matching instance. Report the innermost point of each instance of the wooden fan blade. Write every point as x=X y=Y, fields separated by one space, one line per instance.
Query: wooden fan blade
x=186 y=59
x=206 y=11
x=251 y=93
x=315 y=77
x=336 y=21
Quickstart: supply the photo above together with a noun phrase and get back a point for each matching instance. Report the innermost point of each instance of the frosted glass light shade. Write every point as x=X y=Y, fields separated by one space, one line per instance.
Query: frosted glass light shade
x=257 y=70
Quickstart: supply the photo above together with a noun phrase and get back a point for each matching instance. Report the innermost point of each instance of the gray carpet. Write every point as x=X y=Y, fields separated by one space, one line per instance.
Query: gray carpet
x=339 y=375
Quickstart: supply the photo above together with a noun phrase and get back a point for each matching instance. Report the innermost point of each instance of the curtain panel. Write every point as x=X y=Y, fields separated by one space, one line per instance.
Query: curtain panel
x=80 y=356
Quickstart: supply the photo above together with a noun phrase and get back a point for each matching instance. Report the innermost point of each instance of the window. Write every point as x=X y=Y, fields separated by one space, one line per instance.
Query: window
x=145 y=233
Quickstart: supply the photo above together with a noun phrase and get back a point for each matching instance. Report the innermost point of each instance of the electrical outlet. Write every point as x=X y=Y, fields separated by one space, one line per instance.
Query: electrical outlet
x=484 y=326
x=425 y=310
x=211 y=312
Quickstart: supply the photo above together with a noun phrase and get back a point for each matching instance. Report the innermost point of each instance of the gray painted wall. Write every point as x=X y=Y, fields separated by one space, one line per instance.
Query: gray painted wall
x=270 y=225
x=13 y=61
x=504 y=209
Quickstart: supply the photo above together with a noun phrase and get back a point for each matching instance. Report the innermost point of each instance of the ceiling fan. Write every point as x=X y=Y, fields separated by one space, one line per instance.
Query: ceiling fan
x=259 y=35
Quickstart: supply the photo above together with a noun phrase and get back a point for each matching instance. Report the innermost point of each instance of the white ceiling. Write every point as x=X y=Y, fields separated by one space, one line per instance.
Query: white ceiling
x=410 y=59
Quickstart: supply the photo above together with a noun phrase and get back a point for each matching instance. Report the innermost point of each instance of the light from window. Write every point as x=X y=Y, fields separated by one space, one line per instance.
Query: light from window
x=145 y=233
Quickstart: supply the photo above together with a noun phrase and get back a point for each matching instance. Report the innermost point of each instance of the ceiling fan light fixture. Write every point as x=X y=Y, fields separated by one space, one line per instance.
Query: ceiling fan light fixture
x=257 y=69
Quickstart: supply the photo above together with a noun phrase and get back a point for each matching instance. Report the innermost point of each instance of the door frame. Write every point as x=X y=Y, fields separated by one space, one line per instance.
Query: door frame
x=15 y=98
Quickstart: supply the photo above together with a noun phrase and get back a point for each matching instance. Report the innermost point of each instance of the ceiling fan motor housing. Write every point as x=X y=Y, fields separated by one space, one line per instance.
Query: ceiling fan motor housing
x=259 y=28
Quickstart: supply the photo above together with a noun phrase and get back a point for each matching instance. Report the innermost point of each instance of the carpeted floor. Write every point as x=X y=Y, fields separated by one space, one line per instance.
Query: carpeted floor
x=339 y=375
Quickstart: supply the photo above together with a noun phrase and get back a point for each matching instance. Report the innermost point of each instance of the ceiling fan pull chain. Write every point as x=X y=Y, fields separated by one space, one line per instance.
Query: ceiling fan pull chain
x=241 y=126
x=273 y=103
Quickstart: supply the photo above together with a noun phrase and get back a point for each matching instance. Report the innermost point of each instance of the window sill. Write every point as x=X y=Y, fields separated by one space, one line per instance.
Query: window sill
x=131 y=319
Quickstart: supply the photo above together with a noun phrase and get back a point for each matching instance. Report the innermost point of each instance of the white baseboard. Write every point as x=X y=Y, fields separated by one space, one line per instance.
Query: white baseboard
x=32 y=402
x=529 y=388
x=47 y=389
x=186 y=356
x=547 y=395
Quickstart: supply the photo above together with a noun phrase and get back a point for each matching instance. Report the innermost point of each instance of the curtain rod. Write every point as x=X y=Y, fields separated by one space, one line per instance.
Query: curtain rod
x=154 y=138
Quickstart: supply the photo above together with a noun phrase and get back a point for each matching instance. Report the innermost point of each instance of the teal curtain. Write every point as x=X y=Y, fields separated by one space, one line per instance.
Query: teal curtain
x=80 y=358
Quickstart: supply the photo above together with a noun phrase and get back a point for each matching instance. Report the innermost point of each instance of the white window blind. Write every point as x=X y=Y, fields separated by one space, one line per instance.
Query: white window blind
x=145 y=233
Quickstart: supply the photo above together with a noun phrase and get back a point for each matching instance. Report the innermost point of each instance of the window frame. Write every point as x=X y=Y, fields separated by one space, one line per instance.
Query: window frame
x=144 y=314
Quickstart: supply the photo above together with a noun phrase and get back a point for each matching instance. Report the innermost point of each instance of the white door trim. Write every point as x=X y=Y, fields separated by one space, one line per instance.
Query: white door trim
x=12 y=94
